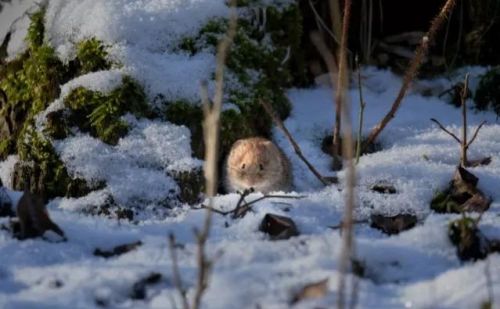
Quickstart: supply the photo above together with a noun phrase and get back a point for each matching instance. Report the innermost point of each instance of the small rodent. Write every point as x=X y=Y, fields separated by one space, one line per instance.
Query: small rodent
x=259 y=164
x=33 y=217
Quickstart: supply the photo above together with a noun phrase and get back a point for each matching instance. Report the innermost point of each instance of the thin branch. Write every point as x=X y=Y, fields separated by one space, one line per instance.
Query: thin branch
x=362 y=106
x=175 y=271
x=475 y=134
x=322 y=23
x=240 y=211
x=413 y=69
x=445 y=130
x=269 y=110
x=347 y=252
x=463 y=97
x=211 y=128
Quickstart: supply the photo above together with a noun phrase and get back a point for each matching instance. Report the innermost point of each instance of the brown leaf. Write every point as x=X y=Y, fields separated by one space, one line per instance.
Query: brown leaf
x=311 y=290
x=278 y=227
x=395 y=224
x=464 y=181
x=478 y=202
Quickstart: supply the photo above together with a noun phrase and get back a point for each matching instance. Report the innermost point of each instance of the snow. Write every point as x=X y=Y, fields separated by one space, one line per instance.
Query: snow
x=418 y=268
x=135 y=171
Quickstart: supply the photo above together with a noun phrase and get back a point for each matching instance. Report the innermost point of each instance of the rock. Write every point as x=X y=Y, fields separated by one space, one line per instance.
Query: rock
x=278 y=227
x=393 y=224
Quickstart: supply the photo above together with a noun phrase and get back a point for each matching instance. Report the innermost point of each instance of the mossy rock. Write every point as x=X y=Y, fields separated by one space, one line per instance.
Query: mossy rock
x=56 y=126
x=92 y=56
x=100 y=114
x=191 y=184
x=487 y=95
x=110 y=209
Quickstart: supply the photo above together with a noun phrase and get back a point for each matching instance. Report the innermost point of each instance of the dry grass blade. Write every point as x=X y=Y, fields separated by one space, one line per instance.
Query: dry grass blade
x=269 y=110
x=413 y=69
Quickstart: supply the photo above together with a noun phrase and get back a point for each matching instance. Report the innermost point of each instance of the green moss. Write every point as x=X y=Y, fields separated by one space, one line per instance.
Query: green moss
x=191 y=184
x=36 y=30
x=100 y=114
x=190 y=115
x=234 y=125
x=442 y=202
x=7 y=147
x=92 y=56
x=264 y=59
x=488 y=92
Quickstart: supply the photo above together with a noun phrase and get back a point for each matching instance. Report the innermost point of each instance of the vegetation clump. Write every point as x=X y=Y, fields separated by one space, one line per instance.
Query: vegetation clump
x=487 y=95
x=92 y=56
x=100 y=114
x=265 y=58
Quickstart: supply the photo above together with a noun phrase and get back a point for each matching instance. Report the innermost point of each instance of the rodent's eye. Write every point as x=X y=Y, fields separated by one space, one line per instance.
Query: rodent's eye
x=261 y=167
x=243 y=166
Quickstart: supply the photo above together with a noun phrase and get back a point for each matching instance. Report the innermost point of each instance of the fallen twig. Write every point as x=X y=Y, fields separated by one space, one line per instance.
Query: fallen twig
x=240 y=210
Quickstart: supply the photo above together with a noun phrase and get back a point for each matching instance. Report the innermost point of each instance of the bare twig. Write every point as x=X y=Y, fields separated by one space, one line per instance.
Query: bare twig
x=445 y=130
x=347 y=252
x=322 y=23
x=240 y=210
x=475 y=134
x=464 y=144
x=269 y=110
x=463 y=97
x=211 y=127
x=412 y=69
x=175 y=271
x=362 y=106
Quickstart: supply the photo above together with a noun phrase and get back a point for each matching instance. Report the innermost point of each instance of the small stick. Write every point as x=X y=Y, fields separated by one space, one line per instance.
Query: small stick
x=268 y=108
x=445 y=130
x=475 y=134
x=362 y=105
x=463 y=159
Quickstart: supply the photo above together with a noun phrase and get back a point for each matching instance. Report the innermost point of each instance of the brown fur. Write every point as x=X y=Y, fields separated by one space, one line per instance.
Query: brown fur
x=259 y=164
x=33 y=217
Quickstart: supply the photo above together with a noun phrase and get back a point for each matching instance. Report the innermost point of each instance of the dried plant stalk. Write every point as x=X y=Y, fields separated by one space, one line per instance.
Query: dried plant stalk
x=211 y=128
x=348 y=154
x=269 y=110
x=413 y=69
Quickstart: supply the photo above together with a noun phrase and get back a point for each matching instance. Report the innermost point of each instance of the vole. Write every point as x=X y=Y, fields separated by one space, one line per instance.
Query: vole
x=33 y=217
x=259 y=164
